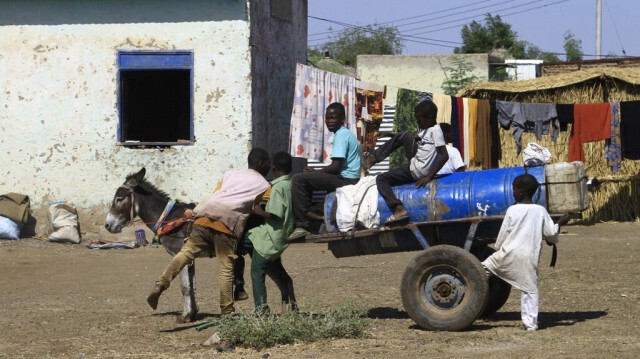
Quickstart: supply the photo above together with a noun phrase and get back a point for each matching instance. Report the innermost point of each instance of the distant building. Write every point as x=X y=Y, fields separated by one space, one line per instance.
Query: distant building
x=523 y=69
x=555 y=68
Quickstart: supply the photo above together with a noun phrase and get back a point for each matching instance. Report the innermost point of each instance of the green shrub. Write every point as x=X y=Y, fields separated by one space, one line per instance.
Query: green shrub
x=261 y=331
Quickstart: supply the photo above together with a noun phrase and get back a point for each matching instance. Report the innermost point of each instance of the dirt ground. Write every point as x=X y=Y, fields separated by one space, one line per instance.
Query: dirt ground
x=68 y=301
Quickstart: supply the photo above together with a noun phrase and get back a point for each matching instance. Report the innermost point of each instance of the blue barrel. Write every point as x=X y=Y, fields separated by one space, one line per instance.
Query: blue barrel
x=457 y=195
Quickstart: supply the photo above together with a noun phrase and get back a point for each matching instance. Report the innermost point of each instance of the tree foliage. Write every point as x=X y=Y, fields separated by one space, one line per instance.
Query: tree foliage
x=534 y=52
x=458 y=76
x=572 y=47
x=480 y=38
x=366 y=40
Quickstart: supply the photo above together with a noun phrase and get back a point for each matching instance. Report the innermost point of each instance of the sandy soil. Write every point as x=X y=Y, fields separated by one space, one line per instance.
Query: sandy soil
x=68 y=301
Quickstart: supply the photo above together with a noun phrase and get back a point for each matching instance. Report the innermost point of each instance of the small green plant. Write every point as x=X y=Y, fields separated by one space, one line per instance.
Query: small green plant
x=459 y=76
x=262 y=331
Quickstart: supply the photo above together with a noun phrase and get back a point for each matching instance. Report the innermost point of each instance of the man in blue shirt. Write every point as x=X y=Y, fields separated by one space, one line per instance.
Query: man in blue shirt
x=343 y=170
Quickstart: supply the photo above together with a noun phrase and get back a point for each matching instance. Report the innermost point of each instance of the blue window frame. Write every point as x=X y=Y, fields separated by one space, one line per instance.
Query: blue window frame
x=155 y=98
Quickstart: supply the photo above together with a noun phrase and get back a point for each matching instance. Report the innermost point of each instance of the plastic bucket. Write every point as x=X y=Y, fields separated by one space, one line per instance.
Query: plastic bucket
x=141 y=237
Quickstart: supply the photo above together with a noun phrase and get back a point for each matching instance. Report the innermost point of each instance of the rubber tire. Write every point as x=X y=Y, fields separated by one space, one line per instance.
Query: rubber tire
x=499 y=290
x=455 y=262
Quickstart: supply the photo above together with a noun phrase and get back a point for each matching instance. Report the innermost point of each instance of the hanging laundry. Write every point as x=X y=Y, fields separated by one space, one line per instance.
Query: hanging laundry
x=528 y=117
x=612 y=148
x=630 y=129
x=465 y=130
x=483 y=135
x=455 y=127
x=591 y=122
x=510 y=115
x=443 y=102
x=473 y=125
x=460 y=103
x=314 y=90
x=565 y=115
x=496 y=147
x=539 y=117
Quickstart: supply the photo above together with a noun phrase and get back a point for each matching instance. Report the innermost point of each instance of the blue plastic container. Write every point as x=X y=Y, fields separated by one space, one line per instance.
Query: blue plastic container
x=458 y=195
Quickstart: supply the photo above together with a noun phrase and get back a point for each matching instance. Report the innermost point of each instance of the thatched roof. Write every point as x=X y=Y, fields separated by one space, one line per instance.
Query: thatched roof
x=628 y=75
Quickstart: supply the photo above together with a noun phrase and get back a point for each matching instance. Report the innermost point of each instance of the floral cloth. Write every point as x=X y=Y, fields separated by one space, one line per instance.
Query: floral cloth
x=369 y=112
x=315 y=89
x=613 y=147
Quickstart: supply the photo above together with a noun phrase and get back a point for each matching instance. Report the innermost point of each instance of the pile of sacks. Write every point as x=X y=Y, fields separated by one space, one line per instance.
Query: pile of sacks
x=15 y=210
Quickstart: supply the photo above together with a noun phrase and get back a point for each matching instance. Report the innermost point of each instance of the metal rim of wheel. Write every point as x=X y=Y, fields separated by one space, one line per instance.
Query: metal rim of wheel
x=443 y=287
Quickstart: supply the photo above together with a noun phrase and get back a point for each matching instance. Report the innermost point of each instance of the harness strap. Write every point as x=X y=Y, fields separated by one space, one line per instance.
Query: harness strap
x=132 y=205
x=163 y=216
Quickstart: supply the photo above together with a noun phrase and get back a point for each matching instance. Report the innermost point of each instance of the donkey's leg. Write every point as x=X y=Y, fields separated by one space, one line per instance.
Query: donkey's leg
x=188 y=289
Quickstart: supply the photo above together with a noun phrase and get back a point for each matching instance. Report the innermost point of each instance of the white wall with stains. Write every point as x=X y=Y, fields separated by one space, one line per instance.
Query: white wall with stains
x=58 y=98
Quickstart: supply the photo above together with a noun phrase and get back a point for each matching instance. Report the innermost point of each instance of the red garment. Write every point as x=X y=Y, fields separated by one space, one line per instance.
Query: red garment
x=460 y=124
x=591 y=122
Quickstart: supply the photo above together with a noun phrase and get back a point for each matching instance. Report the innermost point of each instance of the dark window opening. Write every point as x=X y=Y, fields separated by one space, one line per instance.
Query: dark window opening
x=155 y=105
x=155 y=98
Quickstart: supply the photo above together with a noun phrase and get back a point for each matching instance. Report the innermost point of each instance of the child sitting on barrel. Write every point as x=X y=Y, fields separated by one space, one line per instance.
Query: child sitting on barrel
x=426 y=152
x=519 y=244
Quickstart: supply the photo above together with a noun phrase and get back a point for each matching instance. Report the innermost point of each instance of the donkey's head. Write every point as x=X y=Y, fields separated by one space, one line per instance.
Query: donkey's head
x=123 y=207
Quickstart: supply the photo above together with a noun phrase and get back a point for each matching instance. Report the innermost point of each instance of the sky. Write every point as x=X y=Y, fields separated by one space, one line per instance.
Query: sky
x=433 y=26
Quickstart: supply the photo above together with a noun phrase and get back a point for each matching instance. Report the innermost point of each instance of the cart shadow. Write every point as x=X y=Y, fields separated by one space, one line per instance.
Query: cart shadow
x=387 y=313
x=546 y=319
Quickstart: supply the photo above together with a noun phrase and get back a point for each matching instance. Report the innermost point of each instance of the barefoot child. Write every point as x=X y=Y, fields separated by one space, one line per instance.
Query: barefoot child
x=519 y=244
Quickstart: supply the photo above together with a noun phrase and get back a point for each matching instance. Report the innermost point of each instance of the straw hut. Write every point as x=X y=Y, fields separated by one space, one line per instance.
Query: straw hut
x=617 y=198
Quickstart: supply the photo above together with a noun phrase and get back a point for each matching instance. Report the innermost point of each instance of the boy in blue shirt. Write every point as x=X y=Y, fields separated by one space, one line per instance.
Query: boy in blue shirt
x=343 y=170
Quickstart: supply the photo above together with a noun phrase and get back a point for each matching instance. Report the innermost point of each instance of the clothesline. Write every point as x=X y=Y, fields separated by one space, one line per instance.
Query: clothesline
x=475 y=122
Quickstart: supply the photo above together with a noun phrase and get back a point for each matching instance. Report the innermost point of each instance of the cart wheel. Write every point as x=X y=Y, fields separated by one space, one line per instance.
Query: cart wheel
x=444 y=288
x=499 y=290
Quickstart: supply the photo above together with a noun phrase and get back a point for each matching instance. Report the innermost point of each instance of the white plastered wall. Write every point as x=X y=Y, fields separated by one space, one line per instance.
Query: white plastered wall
x=59 y=117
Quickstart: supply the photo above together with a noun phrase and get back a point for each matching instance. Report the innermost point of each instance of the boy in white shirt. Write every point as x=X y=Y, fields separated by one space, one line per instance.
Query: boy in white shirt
x=519 y=244
x=426 y=152
x=455 y=162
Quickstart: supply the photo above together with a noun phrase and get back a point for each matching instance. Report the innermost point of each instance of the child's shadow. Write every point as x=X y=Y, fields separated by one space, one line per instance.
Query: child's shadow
x=184 y=326
x=550 y=319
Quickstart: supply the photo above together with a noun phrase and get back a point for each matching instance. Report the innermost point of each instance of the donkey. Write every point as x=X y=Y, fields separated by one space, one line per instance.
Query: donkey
x=138 y=198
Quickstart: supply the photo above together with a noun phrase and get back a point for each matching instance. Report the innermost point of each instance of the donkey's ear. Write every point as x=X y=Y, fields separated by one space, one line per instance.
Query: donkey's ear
x=135 y=179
